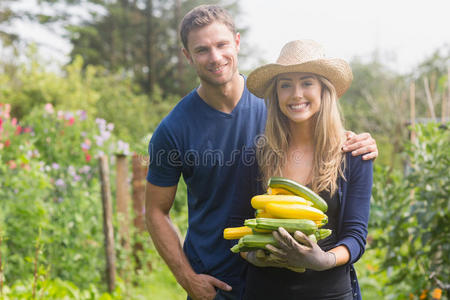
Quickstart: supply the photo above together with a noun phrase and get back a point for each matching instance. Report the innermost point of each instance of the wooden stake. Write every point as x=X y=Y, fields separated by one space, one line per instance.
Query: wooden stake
x=412 y=116
x=138 y=182
x=123 y=199
x=107 y=223
x=429 y=98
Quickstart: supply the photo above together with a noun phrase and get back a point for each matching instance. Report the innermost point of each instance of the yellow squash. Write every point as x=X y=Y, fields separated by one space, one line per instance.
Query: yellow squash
x=233 y=233
x=294 y=211
x=278 y=191
x=260 y=201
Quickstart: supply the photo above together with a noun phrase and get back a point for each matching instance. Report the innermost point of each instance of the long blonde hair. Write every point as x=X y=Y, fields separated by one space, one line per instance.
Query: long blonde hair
x=328 y=139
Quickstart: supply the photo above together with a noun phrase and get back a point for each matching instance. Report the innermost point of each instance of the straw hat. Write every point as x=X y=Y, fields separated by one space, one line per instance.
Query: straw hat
x=302 y=56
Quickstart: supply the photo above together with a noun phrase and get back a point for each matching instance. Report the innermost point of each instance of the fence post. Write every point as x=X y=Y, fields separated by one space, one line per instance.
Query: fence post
x=107 y=223
x=429 y=98
x=123 y=199
x=138 y=183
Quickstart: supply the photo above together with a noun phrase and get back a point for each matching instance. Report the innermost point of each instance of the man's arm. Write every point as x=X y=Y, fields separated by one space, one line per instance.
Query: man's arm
x=158 y=202
x=362 y=143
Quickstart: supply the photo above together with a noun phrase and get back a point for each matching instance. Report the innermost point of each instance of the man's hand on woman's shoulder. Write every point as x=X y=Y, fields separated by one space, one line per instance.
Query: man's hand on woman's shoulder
x=362 y=143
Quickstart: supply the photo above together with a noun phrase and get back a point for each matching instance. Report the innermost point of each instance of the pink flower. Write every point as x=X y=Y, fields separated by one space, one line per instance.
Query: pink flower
x=14 y=122
x=18 y=129
x=49 y=108
x=1 y=122
x=7 y=111
x=71 y=121
x=88 y=157
x=7 y=143
x=12 y=164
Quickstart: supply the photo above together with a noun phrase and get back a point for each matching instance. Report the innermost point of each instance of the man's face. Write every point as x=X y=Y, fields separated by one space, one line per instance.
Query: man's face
x=213 y=50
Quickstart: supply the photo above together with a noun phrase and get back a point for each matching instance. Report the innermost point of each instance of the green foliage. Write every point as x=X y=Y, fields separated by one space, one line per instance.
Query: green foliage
x=51 y=210
x=56 y=289
x=49 y=184
x=378 y=101
x=413 y=213
x=89 y=90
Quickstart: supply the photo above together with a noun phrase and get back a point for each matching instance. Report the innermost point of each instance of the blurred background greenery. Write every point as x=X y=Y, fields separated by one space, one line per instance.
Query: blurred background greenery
x=124 y=75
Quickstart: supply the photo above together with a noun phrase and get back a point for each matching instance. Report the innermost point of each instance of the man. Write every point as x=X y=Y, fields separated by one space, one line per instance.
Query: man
x=208 y=138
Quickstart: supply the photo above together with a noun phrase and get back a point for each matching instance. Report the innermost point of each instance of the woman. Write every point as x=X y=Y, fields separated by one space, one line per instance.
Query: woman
x=303 y=140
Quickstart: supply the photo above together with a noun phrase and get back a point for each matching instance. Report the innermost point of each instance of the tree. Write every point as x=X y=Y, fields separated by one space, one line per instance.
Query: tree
x=139 y=37
x=136 y=37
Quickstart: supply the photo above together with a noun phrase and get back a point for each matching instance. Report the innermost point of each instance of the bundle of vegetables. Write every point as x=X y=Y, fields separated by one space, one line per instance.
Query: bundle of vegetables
x=287 y=204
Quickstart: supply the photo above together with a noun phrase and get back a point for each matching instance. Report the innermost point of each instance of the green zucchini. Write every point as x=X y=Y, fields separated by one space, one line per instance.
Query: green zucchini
x=313 y=238
x=257 y=240
x=322 y=233
x=299 y=190
x=253 y=242
x=291 y=225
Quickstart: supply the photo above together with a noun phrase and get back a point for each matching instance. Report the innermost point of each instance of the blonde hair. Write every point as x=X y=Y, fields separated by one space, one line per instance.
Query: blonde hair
x=328 y=162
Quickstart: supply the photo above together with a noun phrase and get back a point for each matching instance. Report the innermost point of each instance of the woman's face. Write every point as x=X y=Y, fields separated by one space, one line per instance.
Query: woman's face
x=299 y=95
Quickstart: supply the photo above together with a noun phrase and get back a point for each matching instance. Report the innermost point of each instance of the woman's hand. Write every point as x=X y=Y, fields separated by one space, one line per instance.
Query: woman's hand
x=300 y=251
x=259 y=258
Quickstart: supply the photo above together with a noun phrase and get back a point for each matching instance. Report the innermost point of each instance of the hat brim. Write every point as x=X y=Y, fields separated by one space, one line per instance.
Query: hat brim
x=336 y=70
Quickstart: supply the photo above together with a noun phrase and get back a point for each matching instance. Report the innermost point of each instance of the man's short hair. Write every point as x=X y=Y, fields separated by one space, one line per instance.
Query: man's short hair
x=204 y=15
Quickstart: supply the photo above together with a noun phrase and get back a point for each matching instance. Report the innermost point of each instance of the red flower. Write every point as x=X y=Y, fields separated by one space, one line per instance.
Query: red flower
x=1 y=121
x=27 y=129
x=7 y=143
x=88 y=157
x=71 y=121
x=18 y=129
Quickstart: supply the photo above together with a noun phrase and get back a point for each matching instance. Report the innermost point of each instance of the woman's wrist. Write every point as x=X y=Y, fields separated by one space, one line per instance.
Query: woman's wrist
x=332 y=259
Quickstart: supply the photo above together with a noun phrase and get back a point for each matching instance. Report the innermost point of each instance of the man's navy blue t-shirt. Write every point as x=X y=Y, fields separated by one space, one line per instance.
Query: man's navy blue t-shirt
x=212 y=150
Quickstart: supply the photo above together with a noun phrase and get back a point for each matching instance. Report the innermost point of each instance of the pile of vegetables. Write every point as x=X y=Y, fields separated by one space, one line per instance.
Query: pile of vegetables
x=287 y=204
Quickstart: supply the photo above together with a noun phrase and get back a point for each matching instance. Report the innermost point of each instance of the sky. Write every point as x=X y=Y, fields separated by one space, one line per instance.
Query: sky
x=402 y=32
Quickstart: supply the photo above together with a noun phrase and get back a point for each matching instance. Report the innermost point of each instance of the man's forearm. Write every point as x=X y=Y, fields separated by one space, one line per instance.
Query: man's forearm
x=168 y=245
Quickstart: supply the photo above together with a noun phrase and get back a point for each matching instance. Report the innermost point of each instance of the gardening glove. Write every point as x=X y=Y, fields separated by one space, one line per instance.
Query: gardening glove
x=300 y=251
x=259 y=258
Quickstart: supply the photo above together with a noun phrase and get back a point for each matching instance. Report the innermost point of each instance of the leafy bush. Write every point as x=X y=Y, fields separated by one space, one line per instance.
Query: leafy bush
x=50 y=193
x=412 y=215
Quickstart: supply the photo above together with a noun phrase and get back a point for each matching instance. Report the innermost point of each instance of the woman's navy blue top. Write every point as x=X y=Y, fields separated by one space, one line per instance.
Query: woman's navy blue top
x=350 y=215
